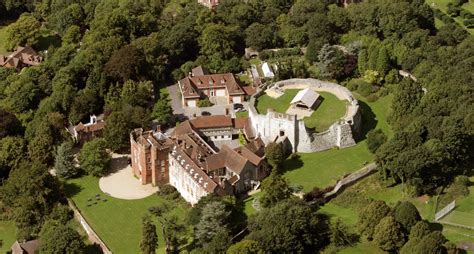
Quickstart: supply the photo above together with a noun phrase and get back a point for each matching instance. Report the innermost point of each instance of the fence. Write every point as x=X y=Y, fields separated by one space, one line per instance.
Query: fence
x=447 y=209
x=93 y=237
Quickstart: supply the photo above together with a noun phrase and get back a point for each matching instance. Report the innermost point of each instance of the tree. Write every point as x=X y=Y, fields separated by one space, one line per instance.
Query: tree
x=30 y=193
x=64 y=161
x=219 y=242
x=57 y=238
x=388 y=234
x=382 y=64
x=420 y=229
x=213 y=219
x=125 y=63
x=260 y=36
x=406 y=214
x=149 y=240
x=162 y=111
x=245 y=247
x=431 y=244
x=9 y=124
x=94 y=158
x=137 y=93
x=12 y=152
x=341 y=234
x=25 y=31
x=61 y=20
x=371 y=216
x=275 y=154
x=290 y=226
x=117 y=133
x=375 y=139
x=275 y=189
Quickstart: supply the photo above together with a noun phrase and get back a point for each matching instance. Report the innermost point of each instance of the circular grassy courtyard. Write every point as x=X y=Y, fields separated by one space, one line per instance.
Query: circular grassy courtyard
x=330 y=110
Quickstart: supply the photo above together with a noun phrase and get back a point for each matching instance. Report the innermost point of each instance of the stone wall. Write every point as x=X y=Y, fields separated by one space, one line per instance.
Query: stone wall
x=273 y=125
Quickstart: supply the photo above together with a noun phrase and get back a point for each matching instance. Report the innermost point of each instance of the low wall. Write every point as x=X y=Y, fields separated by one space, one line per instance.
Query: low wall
x=340 y=134
x=92 y=235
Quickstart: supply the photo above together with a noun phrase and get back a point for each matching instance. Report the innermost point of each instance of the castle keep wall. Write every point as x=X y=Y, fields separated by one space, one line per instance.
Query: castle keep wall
x=276 y=126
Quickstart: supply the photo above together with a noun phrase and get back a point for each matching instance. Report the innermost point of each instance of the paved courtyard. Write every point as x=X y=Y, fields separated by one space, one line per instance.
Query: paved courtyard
x=121 y=183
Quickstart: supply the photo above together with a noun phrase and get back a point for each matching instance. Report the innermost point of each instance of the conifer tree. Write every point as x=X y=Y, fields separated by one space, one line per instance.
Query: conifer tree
x=149 y=240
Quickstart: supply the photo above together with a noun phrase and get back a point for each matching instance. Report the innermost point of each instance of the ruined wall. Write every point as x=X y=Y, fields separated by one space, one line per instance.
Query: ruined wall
x=341 y=134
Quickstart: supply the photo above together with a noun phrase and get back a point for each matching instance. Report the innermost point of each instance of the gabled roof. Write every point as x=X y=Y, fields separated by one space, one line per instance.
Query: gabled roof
x=307 y=97
x=26 y=55
x=208 y=122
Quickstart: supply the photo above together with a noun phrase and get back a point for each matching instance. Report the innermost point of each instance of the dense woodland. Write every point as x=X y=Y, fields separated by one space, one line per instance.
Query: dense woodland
x=111 y=56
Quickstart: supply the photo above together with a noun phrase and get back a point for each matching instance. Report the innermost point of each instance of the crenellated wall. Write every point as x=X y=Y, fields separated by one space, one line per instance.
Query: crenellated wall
x=275 y=126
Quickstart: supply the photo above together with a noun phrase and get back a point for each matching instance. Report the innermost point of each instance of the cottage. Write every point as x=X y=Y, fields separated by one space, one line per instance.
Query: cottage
x=218 y=88
x=85 y=132
x=29 y=247
x=22 y=57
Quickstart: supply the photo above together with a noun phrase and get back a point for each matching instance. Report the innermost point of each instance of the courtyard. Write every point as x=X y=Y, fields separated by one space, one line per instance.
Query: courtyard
x=121 y=183
x=330 y=110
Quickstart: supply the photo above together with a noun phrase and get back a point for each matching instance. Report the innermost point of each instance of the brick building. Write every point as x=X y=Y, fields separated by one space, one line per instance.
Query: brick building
x=199 y=84
x=193 y=166
x=82 y=133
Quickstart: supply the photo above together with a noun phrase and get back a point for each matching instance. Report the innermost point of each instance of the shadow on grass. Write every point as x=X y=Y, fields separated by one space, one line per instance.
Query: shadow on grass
x=72 y=189
x=369 y=120
x=93 y=249
x=118 y=163
x=291 y=164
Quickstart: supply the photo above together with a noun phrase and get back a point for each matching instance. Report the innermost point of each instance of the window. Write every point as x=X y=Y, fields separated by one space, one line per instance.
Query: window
x=222 y=136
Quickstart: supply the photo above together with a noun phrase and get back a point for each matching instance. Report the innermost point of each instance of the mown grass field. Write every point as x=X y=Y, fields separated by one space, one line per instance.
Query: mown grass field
x=442 y=5
x=329 y=111
x=118 y=222
x=7 y=235
x=324 y=168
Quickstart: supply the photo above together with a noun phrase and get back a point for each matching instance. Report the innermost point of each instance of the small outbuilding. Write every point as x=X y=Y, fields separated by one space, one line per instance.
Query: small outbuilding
x=306 y=99
x=29 y=247
x=267 y=71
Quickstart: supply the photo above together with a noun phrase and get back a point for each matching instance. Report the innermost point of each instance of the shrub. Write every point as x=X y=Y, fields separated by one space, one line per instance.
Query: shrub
x=204 y=103
x=383 y=92
x=169 y=192
x=375 y=139
x=406 y=214
x=354 y=84
x=364 y=89
x=372 y=98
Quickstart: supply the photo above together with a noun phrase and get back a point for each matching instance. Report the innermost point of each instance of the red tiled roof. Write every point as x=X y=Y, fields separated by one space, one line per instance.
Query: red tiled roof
x=207 y=122
x=249 y=90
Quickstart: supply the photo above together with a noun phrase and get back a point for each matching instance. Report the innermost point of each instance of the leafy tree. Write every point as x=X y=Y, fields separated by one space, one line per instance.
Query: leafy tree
x=219 y=242
x=61 y=214
x=312 y=50
x=275 y=189
x=375 y=138
x=275 y=154
x=149 y=240
x=118 y=129
x=420 y=229
x=289 y=226
x=137 y=93
x=431 y=243
x=41 y=146
x=125 y=63
x=245 y=247
x=213 y=219
x=30 y=193
x=260 y=36
x=341 y=235
x=61 y=20
x=72 y=35
x=64 y=164
x=371 y=216
x=57 y=238
x=406 y=214
x=12 y=152
x=388 y=234
x=410 y=245
x=24 y=31
x=334 y=63
x=162 y=111
x=9 y=124
x=94 y=158
x=382 y=64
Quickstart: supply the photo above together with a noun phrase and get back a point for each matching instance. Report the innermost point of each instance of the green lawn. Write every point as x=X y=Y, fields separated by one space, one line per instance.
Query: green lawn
x=118 y=222
x=3 y=36
x=363 y=247
x=442 y=5
x=242 y=114
x=324 y=168
x=7 y=235
x=329 y=111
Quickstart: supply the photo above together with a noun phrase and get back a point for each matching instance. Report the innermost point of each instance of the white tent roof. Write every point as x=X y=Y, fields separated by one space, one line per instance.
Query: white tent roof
x=267 y=71
x=307 y=96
